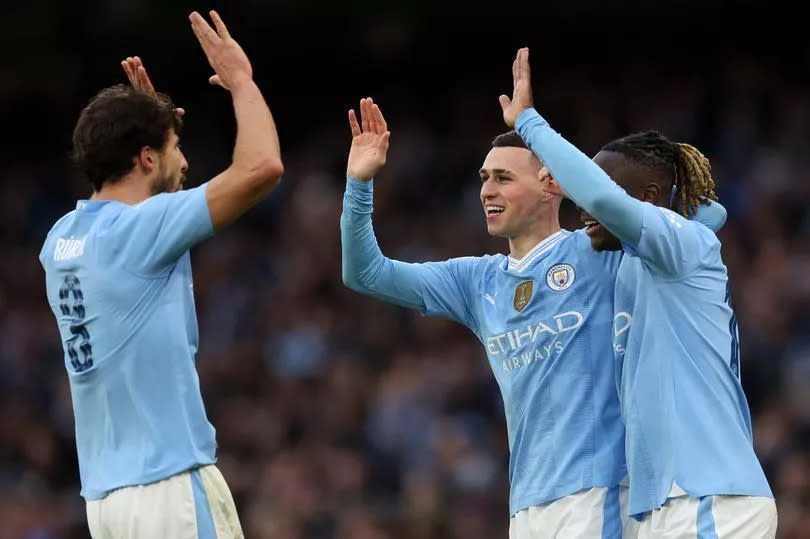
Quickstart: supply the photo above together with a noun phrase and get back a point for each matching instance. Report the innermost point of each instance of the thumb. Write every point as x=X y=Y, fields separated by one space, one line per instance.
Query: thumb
x=214 y=79
x=384 y=140
x=505 y=102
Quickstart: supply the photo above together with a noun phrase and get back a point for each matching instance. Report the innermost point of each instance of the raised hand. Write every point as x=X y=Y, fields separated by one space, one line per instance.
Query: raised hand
x=229 y=61
x=136 y=73
x=522 y=89
x=139 y=79
x=369 y=142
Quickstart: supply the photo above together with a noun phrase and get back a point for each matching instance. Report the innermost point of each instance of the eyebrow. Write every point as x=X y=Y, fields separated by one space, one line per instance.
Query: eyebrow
x=496 y=171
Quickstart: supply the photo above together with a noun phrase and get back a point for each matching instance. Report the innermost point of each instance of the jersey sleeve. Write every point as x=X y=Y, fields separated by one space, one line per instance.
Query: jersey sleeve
x=670 y=244
x=590 y=187
x=432 y=288
x=153 y=235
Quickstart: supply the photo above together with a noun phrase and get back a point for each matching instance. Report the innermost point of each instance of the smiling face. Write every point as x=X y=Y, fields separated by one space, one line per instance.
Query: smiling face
x=512 y=194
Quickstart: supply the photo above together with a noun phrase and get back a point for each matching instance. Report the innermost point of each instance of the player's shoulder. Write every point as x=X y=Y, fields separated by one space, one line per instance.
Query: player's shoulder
x=488 y=264
x=58 y=229
x=60 y=224
x=680 y=224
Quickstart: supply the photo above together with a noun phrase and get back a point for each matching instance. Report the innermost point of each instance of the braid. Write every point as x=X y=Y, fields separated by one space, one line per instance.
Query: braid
x=681 y=164
x=693 y=178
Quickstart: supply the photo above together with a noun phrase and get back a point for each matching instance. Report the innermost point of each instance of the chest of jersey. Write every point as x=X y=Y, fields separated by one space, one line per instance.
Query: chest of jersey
x=528 y=319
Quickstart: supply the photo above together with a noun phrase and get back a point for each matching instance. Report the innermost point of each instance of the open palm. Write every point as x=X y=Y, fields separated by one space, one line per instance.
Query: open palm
x=369 y=141
x=521 y=89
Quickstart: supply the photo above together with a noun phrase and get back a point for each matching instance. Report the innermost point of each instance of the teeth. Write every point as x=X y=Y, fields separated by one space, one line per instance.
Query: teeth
x=493 y=209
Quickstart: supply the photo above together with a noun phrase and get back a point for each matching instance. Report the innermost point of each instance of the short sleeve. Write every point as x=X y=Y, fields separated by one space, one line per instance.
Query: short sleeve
x=154 y=234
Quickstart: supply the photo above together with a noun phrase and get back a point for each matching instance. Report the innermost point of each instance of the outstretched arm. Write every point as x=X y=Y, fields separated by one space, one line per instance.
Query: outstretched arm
x=582 y=180
x=438 y=288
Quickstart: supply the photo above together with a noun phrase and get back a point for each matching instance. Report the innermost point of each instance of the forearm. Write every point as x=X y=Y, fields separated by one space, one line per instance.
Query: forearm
x=365 y=269
x=257 y=146
x=582 y=179
x=256 y=166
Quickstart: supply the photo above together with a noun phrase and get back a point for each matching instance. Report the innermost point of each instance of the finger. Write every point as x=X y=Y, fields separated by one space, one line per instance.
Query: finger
x=527 y=69
x=127 y=70
x=214 y=79
x=382 y=127
x=383 y=144
x=143 y=78
x=364 y=115
x=222 y=30
x=522 y=64
x=519 y=64
x=505 y=102
x=353 y=125
x=372 y=117
x=205 y=34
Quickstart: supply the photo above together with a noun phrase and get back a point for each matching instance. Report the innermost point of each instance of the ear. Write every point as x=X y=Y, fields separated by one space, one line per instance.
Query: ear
x=651 y=193
x=549 y=184
x=146 y=159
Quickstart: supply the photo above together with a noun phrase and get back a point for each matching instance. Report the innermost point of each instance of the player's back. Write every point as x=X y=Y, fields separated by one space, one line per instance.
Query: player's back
x=677 y=352
x=120 y=286
x=546 y=326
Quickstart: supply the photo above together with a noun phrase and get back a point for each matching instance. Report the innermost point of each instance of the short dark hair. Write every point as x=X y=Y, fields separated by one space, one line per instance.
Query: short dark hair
x=510 y=139
x=678 y=163
x=113 y=128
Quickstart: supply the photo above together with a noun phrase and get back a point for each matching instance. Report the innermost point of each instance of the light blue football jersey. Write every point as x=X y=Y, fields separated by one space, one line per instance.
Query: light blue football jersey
x=678 y=367
x=118 y=280
x=675 y=337
x=546 y=325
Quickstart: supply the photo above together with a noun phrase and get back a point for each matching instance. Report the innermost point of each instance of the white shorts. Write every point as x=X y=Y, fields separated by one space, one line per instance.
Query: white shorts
x=595 y=513
x=711 y=517
x=195 y=504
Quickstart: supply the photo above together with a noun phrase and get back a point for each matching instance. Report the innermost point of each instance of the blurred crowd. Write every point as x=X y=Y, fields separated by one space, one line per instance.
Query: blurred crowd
x=339 y=416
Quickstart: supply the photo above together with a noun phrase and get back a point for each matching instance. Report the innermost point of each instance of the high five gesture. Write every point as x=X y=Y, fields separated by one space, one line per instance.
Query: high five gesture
x=229 y=61
x=522 y=89
x=369 y=142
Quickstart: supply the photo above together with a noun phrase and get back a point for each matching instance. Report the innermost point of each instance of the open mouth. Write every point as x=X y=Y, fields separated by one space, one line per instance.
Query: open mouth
x=592 y=227
x=493 y=210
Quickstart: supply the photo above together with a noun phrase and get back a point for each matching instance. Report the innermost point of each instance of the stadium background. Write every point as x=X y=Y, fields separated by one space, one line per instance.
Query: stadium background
x=337 y=415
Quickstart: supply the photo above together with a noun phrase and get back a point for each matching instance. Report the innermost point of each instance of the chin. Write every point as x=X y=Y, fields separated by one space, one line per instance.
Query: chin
x=605 y=244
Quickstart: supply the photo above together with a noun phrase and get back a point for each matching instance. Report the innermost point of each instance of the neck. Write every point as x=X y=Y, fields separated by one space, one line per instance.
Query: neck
x=523 y=243
x=130 y=189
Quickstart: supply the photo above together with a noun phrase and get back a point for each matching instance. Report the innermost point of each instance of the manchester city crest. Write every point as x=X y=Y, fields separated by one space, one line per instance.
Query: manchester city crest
x=560 y=277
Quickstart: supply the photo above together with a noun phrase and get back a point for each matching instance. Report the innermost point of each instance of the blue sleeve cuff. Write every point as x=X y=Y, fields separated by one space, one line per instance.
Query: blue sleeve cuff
x=525 y=117
x=359 y=194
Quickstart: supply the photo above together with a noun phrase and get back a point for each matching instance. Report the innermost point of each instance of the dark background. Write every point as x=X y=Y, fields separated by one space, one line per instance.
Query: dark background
x=337 y=415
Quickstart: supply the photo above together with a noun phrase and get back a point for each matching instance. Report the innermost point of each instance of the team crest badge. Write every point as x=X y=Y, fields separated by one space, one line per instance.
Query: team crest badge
x=560 y=277
x=523 y=294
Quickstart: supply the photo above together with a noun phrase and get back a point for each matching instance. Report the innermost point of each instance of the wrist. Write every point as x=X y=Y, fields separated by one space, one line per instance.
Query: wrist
x=353 y=175
x=241 y=85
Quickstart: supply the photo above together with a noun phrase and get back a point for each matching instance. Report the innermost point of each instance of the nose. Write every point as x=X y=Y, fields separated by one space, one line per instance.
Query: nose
x=487 y=189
